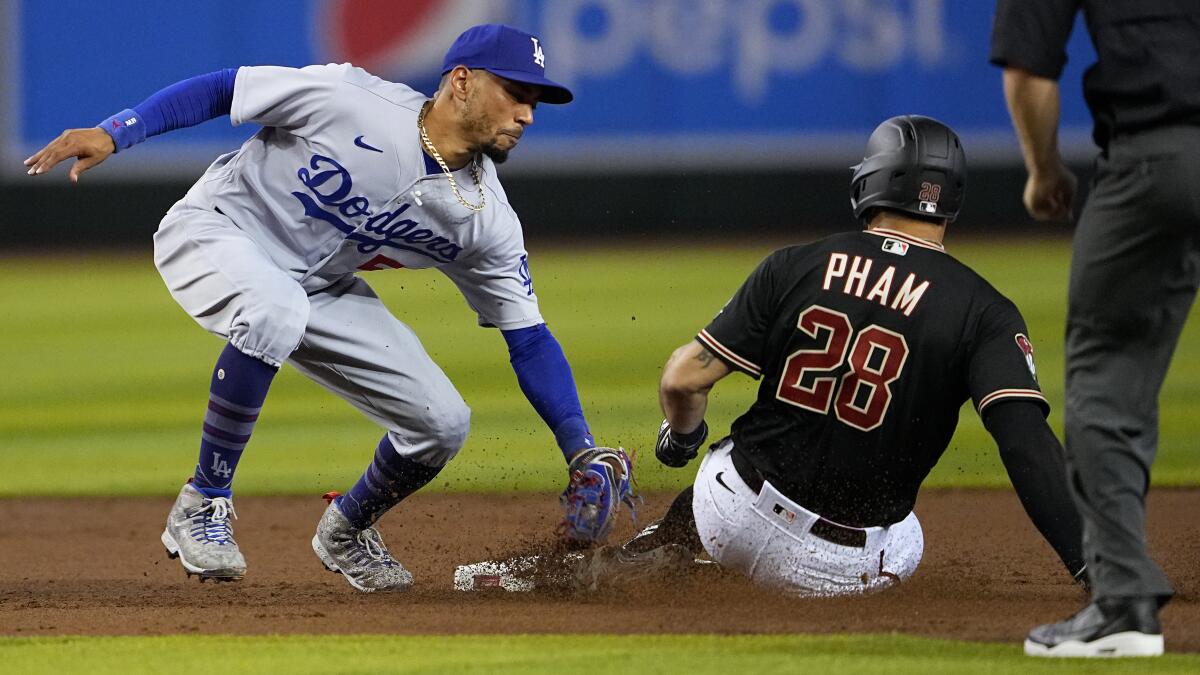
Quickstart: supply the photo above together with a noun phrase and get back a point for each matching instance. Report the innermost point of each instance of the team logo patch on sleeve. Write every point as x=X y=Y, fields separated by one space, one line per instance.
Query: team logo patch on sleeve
x=523 y=274
x=1026 y=348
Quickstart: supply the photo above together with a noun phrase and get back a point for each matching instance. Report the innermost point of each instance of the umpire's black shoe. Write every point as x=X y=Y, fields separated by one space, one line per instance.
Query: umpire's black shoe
x=1115 y=627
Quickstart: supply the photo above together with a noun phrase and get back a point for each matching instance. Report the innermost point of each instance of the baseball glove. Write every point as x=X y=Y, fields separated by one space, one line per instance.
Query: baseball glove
x=601 y=479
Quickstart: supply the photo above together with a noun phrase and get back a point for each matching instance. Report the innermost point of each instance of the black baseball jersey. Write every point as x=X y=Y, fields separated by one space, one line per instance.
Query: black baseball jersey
x=868 y=343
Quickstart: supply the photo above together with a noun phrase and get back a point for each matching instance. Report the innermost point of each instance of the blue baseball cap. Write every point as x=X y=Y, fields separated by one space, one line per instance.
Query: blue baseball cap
x=508 y=52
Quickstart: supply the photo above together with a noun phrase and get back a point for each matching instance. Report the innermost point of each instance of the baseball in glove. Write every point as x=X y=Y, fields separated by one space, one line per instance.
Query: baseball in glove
x=601 y=479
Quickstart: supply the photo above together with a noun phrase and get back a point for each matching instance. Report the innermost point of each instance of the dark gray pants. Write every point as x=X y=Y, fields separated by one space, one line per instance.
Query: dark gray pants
x=1134 y=274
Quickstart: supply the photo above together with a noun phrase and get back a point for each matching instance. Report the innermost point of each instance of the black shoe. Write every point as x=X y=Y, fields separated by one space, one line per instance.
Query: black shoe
x=1116 y=627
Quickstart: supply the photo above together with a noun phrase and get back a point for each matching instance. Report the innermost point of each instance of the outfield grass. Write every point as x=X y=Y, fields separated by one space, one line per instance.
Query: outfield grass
x=106 y=378
x=552 y=654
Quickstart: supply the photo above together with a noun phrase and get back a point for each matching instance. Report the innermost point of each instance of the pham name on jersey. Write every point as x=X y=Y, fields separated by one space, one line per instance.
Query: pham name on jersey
x=853 y=275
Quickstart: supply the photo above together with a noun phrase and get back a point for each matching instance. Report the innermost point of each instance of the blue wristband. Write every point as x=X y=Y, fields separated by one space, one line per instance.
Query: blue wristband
x=183 y=104
x=126 y=129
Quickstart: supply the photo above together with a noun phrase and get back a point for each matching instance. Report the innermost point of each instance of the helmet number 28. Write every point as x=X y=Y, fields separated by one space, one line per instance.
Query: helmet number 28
x=930 y=192
x=860 y=396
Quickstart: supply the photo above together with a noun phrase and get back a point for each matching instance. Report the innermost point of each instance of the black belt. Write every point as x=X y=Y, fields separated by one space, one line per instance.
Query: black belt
x=823 y=528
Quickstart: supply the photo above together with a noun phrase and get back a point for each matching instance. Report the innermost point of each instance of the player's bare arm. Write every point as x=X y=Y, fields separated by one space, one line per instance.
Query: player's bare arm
x=687 y=378
x=689 y=375
x=90 y=146
x=1033 y=104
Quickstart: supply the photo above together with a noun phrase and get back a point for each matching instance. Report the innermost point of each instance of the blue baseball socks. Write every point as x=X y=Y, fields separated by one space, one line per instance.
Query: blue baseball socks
x=239 y=387
x=388 y=480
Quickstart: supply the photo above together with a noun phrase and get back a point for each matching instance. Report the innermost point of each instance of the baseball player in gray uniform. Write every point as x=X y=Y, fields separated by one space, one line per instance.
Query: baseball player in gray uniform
x=350 y=173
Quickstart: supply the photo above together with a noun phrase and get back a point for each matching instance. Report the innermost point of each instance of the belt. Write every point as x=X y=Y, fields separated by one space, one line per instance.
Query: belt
x=1167 y=139
x=823 y=528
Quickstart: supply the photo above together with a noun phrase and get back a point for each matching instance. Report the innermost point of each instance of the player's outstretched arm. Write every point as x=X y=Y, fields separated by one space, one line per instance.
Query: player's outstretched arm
x=90 y=146
x=183 y=104
x=1036 y=465
x=599 y=479
x=545 y=378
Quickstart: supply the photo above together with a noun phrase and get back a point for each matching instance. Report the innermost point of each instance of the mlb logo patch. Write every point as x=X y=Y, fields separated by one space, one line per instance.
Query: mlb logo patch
x=929 y=207
x=895 y=246
x=784 y=513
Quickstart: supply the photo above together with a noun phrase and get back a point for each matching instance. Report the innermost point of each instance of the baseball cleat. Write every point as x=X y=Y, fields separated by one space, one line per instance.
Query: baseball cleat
x=200 y=536
x=616 y=566
x=1114 y=628
x=645 y=537
x=358 y=555
x=592 y=570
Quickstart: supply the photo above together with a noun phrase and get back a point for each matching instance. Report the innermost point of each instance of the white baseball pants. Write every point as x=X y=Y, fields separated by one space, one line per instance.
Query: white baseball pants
x=768 y=538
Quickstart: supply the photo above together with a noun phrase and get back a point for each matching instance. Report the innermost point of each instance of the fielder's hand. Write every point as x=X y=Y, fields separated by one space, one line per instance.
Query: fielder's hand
x=676 y=450
x=91 y=146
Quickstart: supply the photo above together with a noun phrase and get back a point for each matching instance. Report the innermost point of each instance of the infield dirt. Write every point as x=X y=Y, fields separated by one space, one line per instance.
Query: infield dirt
x=96 y=567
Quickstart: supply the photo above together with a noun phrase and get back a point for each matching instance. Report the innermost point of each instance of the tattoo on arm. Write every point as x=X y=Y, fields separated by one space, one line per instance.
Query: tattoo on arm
x=705 y=357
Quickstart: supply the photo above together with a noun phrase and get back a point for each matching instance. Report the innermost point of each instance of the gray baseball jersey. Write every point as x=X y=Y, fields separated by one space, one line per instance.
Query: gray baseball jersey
x=335 y=183
x=264 y=249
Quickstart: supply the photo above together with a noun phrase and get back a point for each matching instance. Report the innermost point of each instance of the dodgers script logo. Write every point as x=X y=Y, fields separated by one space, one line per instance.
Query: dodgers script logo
x=329 y=185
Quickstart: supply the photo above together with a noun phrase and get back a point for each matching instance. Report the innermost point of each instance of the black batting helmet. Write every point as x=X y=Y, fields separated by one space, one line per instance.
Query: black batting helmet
x=913 y=164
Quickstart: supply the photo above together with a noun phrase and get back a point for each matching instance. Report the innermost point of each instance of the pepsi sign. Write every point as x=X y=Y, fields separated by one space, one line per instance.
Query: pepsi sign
x=672 y=84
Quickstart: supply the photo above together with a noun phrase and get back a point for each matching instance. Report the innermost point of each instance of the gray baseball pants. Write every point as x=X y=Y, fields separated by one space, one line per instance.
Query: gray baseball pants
x=342 y=337
x=1134 y=274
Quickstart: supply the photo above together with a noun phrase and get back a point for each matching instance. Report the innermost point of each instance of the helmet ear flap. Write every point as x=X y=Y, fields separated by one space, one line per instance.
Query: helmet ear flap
x=856 y=191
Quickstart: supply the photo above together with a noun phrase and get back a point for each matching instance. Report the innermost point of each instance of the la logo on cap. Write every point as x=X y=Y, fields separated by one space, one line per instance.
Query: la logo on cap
x=539 y=57
x=500 y=50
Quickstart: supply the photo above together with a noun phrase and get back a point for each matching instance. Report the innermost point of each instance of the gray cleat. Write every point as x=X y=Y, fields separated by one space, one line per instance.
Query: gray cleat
x=359 y=555
x=199 y=533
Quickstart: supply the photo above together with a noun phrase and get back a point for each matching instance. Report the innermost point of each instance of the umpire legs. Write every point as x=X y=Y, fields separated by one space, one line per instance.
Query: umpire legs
x=1134 y=274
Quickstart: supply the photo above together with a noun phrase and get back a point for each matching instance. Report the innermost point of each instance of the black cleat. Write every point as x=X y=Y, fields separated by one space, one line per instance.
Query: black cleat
x=1105 y=628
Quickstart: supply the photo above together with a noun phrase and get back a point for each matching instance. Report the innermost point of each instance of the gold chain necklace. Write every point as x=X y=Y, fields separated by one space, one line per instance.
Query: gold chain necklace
x=475 y=170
